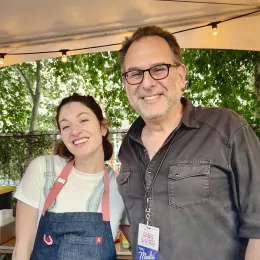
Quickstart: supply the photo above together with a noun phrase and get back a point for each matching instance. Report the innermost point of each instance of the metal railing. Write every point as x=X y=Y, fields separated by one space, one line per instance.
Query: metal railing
x=18 y=149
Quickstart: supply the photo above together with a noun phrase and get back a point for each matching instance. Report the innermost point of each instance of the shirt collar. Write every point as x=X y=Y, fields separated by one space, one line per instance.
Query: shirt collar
x=188 y=119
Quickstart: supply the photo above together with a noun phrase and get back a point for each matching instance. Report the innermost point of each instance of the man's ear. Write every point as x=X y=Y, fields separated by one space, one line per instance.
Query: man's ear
x=103 y=127
x=124 y=80
x=182 y=73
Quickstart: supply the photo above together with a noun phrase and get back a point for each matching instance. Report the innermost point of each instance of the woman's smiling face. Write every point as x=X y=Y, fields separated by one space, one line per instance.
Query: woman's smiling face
x=81 y=131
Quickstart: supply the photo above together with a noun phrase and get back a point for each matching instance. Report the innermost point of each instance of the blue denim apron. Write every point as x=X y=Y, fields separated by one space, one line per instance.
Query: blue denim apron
x=74 y=235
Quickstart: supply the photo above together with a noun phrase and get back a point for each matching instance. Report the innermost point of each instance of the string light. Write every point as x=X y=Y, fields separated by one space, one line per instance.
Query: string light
x=215 y=29
x=64 y=57
x=2 y=56
x=63 y=52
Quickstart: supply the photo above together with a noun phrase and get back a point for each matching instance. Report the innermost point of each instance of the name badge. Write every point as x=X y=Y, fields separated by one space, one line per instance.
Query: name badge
x=148 y=243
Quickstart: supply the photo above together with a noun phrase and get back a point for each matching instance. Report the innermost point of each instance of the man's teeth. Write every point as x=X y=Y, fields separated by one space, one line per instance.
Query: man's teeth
x=151 y=97
x=83 y=140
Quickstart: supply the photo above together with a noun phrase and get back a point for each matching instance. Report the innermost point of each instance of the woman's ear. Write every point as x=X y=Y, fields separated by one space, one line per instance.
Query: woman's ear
x=104 y=127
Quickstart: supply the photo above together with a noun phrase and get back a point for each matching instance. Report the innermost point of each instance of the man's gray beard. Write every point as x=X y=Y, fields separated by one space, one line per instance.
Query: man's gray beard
x=171 y=103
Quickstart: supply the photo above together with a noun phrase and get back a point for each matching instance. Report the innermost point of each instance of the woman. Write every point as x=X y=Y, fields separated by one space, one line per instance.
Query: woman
x=69 y=226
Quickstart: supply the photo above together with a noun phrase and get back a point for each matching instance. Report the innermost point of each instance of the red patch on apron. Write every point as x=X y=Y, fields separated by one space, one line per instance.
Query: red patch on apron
x=48 y=240
x=99 y=240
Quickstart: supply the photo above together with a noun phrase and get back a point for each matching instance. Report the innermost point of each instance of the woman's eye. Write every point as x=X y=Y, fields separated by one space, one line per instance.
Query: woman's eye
x=83 y=120
x=65 y=127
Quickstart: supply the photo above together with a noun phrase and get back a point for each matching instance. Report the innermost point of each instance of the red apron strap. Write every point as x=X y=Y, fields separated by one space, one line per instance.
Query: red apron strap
x=105 y=197
x=60 y=182
x=58 y=185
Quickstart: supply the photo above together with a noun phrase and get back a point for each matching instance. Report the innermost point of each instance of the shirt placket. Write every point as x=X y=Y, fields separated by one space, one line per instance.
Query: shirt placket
x=150 y=175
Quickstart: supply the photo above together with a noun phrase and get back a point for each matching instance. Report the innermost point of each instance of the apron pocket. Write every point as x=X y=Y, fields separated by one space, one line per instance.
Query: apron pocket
x=79 y=247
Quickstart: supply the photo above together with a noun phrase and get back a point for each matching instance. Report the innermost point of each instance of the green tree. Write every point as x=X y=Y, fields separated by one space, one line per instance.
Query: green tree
x=33 y=84
x=225 y=78
x=15 y=108
x=31 y=91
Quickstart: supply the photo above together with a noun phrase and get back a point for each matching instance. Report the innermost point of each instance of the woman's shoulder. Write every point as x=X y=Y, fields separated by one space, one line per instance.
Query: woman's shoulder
x=42 y=160
x=37 y=161
x=56 y=158
x=112 y=174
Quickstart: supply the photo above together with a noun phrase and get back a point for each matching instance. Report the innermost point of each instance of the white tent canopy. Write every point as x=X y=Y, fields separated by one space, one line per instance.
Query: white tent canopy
x=40 y=27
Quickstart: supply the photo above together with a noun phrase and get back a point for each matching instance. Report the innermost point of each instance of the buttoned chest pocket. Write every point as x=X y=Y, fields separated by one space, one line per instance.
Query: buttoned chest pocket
x=189 y=183
x=123 y=182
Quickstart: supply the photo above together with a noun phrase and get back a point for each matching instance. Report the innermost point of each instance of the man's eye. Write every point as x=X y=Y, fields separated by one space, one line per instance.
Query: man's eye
x=136 y=73
x=158 y=69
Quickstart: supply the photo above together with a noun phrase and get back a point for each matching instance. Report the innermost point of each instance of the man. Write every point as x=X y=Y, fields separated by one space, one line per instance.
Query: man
x=192 y=173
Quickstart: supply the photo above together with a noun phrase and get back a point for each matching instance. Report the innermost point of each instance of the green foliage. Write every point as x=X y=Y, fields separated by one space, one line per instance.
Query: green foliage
x=14 y=153
x=18 y=149
x=223 y=78
x=95 y=74
x=215 y=78
x=14 y=104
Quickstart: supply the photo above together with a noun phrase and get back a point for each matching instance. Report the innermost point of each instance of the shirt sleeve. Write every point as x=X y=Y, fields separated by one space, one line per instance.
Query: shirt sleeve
x=245 y=163
x=30 y=187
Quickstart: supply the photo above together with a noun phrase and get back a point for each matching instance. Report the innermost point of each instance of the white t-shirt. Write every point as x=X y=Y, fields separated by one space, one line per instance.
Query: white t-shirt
x=74 y=195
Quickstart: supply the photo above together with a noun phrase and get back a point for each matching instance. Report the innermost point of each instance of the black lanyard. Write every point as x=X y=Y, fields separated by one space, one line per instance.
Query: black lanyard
x=148 y=193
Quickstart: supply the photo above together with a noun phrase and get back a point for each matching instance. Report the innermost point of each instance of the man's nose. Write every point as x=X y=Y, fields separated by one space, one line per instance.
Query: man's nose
x=148 y=81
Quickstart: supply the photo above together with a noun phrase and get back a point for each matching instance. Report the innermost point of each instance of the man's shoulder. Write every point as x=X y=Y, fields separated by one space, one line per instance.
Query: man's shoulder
x=211 y=114
x=224 y=121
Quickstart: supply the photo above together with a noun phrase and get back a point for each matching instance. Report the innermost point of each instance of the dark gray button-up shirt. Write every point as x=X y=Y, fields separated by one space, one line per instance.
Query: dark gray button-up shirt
x=206 y=195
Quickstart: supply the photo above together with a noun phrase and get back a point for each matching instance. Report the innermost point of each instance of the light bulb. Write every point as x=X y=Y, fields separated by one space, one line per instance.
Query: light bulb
x=215 y=29
x=2 y=56
x=64 y=57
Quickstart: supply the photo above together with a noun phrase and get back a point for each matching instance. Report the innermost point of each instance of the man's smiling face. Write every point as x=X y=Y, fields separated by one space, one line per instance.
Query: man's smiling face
x=151 y=98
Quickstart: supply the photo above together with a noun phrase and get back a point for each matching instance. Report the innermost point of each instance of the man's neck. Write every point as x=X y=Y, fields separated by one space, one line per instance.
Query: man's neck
x=165 y=124
x=156 y=131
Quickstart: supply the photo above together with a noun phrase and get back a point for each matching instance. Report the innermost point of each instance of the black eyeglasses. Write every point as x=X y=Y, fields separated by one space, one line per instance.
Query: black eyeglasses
x=157 y=72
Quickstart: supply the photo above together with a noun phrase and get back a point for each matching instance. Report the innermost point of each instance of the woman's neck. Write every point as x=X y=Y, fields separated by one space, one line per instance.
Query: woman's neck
x=89 y=166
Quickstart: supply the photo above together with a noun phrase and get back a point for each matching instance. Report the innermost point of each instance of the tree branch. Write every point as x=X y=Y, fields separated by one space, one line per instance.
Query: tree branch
x=37 y=96
x=38 y=77
x=257 y=85
x=28 y=83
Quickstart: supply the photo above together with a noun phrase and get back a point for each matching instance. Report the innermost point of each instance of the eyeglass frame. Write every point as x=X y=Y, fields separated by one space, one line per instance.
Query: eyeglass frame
x=168 y=65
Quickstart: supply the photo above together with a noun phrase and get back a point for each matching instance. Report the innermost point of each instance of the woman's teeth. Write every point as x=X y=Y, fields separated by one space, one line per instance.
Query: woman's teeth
x=80 y=141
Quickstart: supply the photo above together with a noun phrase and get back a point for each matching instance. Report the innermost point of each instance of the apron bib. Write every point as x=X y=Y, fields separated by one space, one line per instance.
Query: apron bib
x=74 y=235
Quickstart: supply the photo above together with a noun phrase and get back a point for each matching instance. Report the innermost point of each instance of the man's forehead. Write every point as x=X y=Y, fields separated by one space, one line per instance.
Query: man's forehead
x=148 y=51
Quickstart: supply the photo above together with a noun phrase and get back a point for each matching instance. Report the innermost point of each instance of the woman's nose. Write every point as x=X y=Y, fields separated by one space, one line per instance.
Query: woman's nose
x=76 y=130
